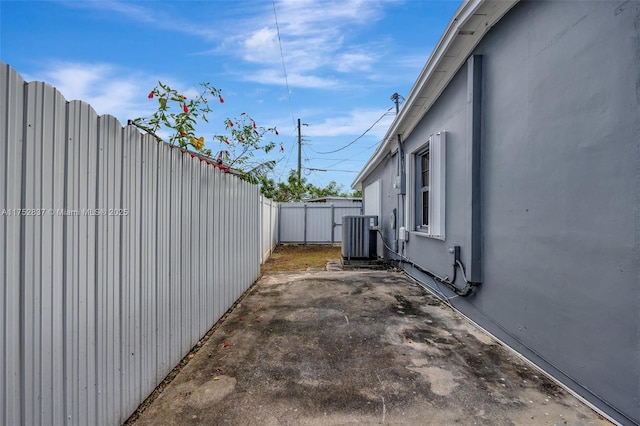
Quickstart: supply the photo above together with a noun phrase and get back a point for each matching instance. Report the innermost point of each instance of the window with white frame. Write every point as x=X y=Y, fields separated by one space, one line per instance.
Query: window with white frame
x=426 y=192
x=423 y=208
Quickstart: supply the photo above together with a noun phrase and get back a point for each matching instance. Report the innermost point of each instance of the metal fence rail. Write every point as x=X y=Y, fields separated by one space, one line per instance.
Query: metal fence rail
x=313 y=223
x=116 y=255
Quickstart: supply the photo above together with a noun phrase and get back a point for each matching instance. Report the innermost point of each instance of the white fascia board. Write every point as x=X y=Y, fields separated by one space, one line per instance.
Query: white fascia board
x=469 y=24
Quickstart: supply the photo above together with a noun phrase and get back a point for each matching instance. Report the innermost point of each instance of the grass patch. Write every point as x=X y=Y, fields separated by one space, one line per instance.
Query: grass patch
x=290 y=258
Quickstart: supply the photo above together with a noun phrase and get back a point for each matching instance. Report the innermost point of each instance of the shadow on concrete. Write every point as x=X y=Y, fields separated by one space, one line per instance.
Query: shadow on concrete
x=356 y=347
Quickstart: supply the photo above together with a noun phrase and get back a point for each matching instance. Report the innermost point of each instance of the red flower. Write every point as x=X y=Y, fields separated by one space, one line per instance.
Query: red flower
x=184 y=97
x=254 y=124
x=276 y=132
x=227 y=142
x=225 y=345
x=183 y=133
x=150 y=95
x=243 y=113
x=242 y=138
x=185 y=109
x=281 y=148
x=230 y=123
x=221 y=99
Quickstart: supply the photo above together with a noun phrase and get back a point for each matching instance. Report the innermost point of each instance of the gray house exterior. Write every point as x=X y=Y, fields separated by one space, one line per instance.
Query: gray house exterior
x=511 y=177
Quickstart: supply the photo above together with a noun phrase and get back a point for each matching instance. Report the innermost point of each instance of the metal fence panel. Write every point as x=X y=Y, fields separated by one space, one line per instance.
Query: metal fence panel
x=319 y=224
x=163 y=268
x=138 y=249
x=41 y=268
x=11 y=125
x=108 y=269
x=293 y=215
x=81 y=264
x=313 y=223
x=268 y=227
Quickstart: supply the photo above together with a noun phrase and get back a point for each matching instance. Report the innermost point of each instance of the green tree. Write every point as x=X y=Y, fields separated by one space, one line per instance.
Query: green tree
x=291 y=190
x=331 y=190
x=298 y=190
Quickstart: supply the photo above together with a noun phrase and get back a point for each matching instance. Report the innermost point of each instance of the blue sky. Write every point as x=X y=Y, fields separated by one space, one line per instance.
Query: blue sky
x=343 y=60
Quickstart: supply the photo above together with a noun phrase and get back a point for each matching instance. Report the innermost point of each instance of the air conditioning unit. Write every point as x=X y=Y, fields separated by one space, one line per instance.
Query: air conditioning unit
x=359 y=237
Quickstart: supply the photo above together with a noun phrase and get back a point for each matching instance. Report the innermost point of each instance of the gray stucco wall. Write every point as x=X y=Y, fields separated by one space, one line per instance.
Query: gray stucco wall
x=560 y=211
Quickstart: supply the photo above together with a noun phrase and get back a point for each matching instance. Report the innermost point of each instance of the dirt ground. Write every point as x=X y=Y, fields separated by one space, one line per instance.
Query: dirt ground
x=354 y=347
x=292 y=258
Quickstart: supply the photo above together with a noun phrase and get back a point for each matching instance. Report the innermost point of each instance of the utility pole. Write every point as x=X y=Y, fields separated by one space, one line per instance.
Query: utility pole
x=396 y=98
x=299 y=150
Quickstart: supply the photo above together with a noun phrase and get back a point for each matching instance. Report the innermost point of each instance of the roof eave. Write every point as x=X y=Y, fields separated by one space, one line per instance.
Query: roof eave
x=467 y=27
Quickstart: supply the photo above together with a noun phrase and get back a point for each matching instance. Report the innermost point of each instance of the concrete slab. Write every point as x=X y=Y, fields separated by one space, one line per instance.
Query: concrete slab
x=356 y=347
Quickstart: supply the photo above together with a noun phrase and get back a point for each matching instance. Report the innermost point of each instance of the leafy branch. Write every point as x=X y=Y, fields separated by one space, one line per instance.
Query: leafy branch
x=180 y=116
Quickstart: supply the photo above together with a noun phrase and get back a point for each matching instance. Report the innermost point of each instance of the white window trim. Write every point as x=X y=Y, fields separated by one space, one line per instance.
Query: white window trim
x=437 y=187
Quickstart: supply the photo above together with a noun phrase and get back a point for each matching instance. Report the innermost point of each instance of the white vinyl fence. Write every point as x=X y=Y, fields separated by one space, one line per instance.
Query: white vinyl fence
x=314 y=223
x=117 y=254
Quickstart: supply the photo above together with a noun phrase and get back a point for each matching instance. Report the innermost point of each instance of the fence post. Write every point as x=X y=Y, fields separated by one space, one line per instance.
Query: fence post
x=333 y=224
x=261 y=225
x=305 y=224
x=277 y=220
x=270 y=226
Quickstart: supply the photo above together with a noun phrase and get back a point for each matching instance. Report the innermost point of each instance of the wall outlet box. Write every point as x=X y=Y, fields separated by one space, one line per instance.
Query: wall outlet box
x=403 y=235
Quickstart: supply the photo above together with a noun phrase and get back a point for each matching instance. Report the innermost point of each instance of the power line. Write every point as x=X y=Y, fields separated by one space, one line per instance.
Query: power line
x=284 y=69
x=314 y=169
x=286 y=81
x=349 y=159
x=356 y=139
x=332 y=159
x=311 y=148
x=342 y=161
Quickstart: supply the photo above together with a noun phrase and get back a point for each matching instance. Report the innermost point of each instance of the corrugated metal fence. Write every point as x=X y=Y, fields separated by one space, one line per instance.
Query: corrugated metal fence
x=116 y=255
x=269 y=227
x=314 y=223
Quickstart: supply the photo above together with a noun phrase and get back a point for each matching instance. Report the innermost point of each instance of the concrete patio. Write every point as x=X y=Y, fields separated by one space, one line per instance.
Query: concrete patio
x=356 y=347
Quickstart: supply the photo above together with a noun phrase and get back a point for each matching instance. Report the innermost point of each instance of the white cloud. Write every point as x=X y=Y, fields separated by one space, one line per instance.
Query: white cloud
x=353 y=123
x=360 y=61
x=74 y=80
x=274 y=76
x=314 y=36
x=262 y=46
x=157 y=17
x=108 y=89
x=298 y=17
